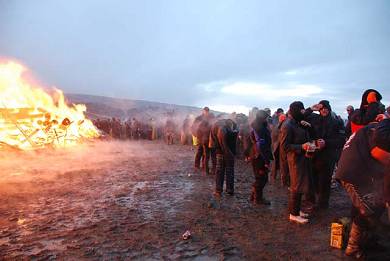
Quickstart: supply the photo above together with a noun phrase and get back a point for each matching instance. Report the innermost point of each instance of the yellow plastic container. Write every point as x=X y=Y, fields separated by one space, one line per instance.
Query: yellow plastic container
x=337 y=234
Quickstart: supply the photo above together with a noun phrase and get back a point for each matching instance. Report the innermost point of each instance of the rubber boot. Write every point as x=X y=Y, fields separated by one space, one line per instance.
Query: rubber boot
x=354 y=243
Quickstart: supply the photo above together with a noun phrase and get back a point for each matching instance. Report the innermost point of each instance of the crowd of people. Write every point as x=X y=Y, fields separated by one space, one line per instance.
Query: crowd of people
x=134 y=129
x=306 y=147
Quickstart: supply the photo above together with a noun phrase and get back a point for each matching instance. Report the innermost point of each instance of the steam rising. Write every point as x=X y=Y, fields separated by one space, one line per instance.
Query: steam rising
x=48 y=164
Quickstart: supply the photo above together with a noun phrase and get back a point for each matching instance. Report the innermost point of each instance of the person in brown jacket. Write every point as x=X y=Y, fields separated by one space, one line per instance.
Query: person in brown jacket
x=223 y=139
x=295 y=140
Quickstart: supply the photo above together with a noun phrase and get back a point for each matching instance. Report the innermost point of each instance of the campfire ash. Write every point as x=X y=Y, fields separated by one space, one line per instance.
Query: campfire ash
x=30 y=118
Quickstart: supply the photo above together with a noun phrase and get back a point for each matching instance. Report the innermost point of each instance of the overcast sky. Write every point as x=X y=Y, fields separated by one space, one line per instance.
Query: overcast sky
x=230 y=55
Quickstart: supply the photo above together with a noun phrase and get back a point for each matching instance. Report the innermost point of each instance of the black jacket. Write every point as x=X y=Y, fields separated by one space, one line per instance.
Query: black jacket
x=356 y=165
x=258 y=143
x=329 y=129
x=222 y=139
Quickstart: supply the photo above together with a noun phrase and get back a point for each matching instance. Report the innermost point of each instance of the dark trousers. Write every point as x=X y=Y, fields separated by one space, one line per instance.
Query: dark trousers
x=203 y=154
x=225 y=168
x=322 y=177
x=260 y=173
x=294 y=203
x=198 y=155
x=275 y=165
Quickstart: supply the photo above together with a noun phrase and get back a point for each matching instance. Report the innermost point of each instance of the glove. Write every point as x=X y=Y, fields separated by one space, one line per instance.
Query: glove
x=305 y=124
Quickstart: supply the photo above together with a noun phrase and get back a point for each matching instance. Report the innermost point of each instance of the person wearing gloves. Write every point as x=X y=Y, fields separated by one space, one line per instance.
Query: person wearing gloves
x=364 y=172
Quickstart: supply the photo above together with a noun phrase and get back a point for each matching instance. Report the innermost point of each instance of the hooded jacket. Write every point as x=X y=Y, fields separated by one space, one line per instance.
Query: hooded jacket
x=367 y=112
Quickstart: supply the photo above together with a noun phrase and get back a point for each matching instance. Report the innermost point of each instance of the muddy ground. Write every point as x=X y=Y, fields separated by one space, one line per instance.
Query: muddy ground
x=131 y=200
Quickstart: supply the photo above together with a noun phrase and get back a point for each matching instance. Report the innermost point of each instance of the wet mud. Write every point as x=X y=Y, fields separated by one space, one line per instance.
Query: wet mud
x=134 y=201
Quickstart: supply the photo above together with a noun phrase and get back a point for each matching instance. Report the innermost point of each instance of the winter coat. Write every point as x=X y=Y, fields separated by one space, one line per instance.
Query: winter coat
x=222 y=139
x=332 y=131
x=258 y=144
x=293 y=135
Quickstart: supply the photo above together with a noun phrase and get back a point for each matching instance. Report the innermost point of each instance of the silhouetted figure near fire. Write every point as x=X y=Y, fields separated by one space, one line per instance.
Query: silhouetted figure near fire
x=170 y=130
x=223 y=139
x=201 y=130
x=185 y=135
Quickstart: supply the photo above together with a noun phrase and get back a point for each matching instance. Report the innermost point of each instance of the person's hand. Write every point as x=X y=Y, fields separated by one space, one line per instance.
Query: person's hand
x=321 y=143
x=380 y=117
x=316 y=107
x=305 y=124
x=306 y=146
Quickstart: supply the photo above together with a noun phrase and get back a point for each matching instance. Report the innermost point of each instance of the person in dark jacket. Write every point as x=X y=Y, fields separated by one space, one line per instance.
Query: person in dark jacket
x=348 y=127
x=223 y=138
x=275 y=135
x=364 y=170
x=258 y=151
x=329 y=134
x=201 y=130
x=369 y=110
x=295 y=140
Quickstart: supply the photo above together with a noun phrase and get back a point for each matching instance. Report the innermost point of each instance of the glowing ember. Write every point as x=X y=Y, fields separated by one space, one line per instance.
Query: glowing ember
x=30 y=118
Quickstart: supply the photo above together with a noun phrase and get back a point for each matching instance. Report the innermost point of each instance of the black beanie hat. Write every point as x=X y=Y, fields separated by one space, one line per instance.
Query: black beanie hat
x=295 y=110
x=382 y=135
x=326 y=104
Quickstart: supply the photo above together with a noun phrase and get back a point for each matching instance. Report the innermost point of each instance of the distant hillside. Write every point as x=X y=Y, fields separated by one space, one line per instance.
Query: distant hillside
x=106 y=107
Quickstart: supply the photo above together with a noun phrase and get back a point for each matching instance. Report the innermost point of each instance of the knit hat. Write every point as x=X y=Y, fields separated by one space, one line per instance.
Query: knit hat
x=295 y=110
x=326 y=104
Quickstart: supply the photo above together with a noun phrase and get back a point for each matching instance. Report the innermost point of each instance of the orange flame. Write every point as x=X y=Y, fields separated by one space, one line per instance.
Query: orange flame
x=30 y=118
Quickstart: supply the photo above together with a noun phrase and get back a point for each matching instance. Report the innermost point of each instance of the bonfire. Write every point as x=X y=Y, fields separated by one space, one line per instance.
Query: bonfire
x=32 y=117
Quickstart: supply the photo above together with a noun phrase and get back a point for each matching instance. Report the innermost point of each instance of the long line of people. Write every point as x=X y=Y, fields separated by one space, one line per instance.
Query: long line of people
x=303 y=147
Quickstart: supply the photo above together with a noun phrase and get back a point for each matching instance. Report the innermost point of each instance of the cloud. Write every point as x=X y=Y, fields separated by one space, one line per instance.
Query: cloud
x=264 y=91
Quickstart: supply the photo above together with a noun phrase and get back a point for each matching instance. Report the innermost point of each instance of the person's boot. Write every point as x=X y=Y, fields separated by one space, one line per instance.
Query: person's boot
x=355 y=238
x=259 y=199
x=263 y=201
